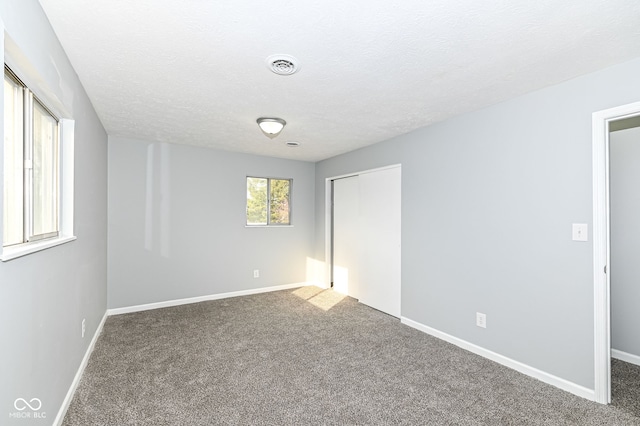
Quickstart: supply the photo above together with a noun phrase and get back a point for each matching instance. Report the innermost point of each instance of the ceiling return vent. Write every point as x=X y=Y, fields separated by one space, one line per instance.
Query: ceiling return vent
x=283 y=64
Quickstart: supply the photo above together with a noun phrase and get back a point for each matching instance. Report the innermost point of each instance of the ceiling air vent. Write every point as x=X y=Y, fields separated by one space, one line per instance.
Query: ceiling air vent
x=283 y=64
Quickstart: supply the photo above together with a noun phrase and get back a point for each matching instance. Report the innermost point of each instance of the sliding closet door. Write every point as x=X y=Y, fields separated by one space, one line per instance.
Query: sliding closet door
x=379 y=261
x=346 y=236
x=366 y=238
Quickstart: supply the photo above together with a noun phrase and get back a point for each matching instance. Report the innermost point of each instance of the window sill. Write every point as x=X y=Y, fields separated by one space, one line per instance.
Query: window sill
x=9 y=253
x=268 y=226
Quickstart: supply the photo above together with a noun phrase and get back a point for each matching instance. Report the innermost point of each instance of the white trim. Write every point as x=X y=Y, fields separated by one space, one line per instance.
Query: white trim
x=507 y=362
x=177 y=302
x=76 y=380
x=601 y=246
x=20 y=250
x=67 y=175
x=17 y=61
x=268 y=226
x=362 y=172
x=3 y=39
x=602 y=361
x=328 y=235
x=625 y=356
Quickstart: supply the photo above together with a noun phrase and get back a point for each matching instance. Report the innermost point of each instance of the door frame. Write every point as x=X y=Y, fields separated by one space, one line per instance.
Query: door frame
x=601 y=245
x=328 y=217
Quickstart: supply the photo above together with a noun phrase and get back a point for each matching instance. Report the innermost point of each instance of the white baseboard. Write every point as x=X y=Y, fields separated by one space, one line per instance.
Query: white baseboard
x=626 y=357
x=168 y=303
x=508 y=362
x=76 y=380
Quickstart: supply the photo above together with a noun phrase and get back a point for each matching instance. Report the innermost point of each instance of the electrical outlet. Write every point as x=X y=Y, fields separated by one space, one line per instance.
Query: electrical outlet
x=83 y=321
x=481 y=320
x=256 y=273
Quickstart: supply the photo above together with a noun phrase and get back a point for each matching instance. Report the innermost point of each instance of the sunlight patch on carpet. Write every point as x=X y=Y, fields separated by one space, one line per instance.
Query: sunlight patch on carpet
x=324 y=299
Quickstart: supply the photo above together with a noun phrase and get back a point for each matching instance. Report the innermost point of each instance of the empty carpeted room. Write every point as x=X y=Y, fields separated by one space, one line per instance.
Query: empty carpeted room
x=281 y=213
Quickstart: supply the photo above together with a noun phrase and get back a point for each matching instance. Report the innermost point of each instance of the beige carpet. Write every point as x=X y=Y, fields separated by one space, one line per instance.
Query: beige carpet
x=305 y=357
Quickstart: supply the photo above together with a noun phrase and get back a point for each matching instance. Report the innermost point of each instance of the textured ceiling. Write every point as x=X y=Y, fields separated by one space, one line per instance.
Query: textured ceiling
x=193 y=71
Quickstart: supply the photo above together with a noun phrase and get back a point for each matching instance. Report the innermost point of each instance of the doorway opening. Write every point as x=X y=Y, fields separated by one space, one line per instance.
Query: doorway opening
x=603 y=123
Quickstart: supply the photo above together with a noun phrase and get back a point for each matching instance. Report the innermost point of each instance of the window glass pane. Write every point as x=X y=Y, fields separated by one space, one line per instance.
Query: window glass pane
x=279 y=207
x=45 y=172
x=256 y=201
x=13 y=214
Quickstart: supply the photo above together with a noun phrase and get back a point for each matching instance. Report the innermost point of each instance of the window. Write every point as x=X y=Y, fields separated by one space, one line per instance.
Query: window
x=31 y=184
x=268 y=201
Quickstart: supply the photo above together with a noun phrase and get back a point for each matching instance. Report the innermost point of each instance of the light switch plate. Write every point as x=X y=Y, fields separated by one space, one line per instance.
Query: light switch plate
x=580 y=232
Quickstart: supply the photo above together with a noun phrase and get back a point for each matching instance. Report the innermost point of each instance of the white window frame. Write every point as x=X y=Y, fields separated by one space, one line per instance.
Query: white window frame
x=269 y=224
x=28 y=142
x=34 y=81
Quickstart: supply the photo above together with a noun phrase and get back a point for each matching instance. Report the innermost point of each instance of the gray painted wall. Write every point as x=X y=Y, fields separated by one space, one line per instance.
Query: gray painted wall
x=488 y=199
x=488 y=202
x=44 y=296
x=177 y=223
x=624 y=157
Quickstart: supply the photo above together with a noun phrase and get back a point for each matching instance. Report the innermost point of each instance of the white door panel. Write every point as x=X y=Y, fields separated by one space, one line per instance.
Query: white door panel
x=346 y=236
x=379 y=265
x=366 y=238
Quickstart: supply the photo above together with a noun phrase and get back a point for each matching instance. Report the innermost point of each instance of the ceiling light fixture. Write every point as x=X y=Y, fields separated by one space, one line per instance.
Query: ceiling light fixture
x=271 y=127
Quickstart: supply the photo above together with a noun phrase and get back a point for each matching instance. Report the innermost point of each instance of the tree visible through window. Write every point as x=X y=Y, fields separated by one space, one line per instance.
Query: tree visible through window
x=268 y=201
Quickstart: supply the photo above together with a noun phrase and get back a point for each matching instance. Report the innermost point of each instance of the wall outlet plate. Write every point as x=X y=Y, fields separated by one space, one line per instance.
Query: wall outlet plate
x=481 y=320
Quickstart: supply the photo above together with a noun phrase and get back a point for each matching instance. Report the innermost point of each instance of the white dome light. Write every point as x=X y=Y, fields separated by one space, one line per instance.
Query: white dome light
x=271 y=127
